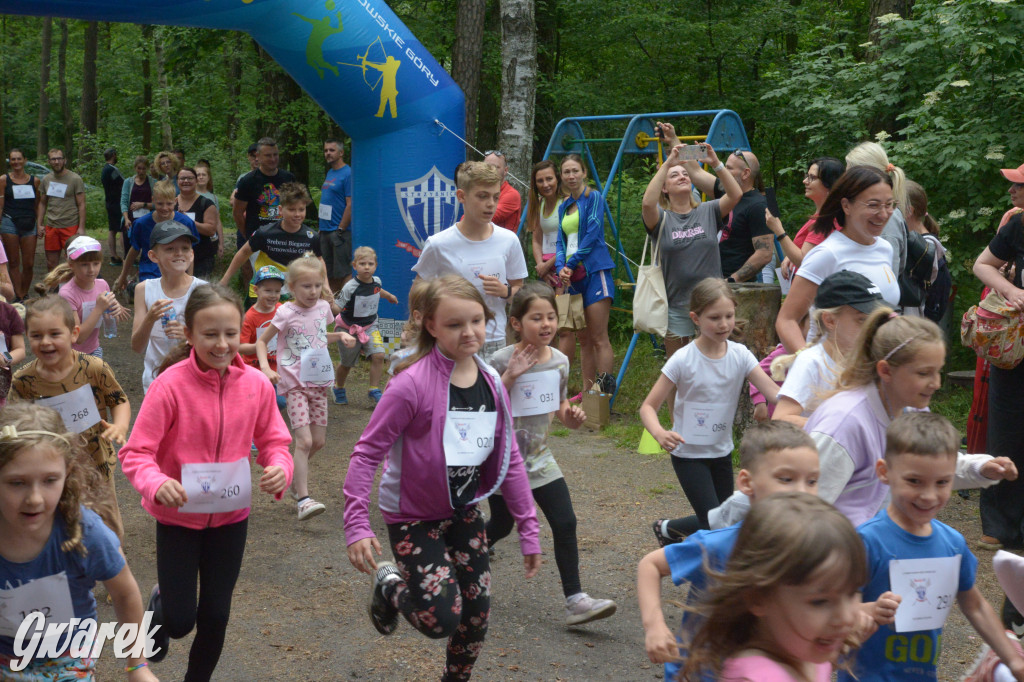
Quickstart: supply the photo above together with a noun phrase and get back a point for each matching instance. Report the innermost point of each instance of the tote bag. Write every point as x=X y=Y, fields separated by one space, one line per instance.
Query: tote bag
x=650 y=302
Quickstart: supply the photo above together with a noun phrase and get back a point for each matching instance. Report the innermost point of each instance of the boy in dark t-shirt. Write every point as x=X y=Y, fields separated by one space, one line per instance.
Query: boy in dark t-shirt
x=357 y=302
x=281 y=242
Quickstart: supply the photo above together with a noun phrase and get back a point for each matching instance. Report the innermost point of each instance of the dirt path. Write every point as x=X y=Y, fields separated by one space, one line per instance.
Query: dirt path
x=299 y=609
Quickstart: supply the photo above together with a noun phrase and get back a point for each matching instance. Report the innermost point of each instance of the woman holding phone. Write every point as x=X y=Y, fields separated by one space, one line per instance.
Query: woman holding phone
x=686 y=233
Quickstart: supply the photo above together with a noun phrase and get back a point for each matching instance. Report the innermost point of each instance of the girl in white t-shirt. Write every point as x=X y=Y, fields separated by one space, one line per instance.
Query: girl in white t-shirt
x=706 y=376
x=861 y=202
x=304 y=368
x=788 y=601
x=843 y=302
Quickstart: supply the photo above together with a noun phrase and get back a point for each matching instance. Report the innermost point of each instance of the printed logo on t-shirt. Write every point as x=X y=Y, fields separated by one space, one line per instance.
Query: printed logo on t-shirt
x=270 y=202
x=691 y=234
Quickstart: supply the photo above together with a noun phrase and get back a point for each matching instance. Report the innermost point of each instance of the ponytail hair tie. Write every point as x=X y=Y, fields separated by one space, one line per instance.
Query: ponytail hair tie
x=892 y=316
x=890 y=168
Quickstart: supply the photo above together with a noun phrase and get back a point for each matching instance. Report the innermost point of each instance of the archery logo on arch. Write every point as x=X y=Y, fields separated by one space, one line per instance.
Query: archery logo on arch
x=375 y=58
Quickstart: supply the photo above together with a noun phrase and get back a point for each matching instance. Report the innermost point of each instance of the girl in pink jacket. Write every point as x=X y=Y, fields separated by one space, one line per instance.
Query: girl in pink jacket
x=444 y=432
x=192 y=469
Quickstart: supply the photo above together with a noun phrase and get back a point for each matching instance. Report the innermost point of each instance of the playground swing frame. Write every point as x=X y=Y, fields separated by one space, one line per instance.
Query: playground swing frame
x=726 y=133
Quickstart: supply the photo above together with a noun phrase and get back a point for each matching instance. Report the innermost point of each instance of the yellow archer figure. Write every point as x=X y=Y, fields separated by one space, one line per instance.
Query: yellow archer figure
x=388 y=76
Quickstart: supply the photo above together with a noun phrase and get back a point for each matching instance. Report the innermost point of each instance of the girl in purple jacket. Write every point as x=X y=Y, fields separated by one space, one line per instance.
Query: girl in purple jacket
x=444 y=432
x=191 y=467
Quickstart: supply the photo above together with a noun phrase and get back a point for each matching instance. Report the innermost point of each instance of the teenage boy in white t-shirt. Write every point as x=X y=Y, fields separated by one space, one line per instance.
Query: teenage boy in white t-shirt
x=490 y=257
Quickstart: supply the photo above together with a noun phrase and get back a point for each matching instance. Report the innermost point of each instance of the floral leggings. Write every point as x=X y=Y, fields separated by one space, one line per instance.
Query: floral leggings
x=446 y=586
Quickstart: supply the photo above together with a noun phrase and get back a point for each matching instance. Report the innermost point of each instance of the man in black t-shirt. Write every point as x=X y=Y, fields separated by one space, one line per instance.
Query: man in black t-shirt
x=112 y=181
x=258 y=195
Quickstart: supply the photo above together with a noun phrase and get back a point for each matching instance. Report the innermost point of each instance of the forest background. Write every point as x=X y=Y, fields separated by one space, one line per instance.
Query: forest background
x=939 y=83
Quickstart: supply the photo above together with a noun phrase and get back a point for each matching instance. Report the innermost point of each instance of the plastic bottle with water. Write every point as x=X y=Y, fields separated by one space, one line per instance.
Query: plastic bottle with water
x=109 y=324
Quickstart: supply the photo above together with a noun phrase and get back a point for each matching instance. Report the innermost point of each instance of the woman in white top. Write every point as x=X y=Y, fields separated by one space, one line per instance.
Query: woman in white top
x=861 y=202
x=542 y=219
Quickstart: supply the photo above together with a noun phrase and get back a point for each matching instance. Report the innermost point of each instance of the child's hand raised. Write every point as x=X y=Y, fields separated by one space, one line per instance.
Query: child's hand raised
x=531 y=562
x=884 y=608
x=661 y=644
x=273 y=480
x=113 y=433
x=158 y=309
x=574 y=417
x=521 y=360
x=360 y=553
x=171 y=494
x=999 y=469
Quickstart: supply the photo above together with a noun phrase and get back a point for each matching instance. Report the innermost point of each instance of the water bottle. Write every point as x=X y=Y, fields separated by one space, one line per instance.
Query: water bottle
x=169 y=316
x=109 y=324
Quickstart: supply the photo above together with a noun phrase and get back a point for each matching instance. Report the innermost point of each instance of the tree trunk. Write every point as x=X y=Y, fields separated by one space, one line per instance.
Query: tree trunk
x=466 y=57
x=883 y=7
x=518 y=86
x=233 y=48
x=147 y=91
x=46 y=47
x=166 y=138
x=89 y=104
x=62 y=82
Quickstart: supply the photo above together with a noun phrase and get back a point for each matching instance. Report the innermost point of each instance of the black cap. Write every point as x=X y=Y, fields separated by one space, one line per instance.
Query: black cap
x=169 y=230
x=848 y=288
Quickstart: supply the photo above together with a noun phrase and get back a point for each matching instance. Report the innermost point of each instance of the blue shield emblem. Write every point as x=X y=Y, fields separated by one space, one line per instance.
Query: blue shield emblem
x=206 y=483
x=427 y=205
x=701 y=418
x=462 y=428
x=527 y=390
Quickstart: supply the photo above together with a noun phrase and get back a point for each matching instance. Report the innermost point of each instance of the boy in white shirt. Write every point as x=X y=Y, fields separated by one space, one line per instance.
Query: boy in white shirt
x=489 y=257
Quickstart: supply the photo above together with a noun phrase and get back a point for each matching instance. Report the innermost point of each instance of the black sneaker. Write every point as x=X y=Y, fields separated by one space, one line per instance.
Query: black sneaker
x=1012 y=619
x=161 y=640
x=658 y=535
x=605 y=382
x=384 y=614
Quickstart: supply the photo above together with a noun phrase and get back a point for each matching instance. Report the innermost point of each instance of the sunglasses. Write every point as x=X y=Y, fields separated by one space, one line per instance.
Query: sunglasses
x=493 y=152
x=739 y=154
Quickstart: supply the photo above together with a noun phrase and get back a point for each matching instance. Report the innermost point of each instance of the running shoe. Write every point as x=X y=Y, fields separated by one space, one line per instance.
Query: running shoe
x=161 y=640
x=339 y=397
x=384 y=614
x=309 y=508
x=582 y=608
x=375 y=395
x=663 y=540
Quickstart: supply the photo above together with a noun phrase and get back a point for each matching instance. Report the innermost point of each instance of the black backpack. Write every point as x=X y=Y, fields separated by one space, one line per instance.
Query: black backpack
x=936 y=301
x=917 y=271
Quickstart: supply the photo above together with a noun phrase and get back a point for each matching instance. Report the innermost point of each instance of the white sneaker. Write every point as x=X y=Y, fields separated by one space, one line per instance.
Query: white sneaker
x=309 y=508
x=582 y=608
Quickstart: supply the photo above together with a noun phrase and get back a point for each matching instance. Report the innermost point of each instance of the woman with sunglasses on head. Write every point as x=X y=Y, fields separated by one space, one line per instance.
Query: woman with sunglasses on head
x=861 y=202
x=542 y=219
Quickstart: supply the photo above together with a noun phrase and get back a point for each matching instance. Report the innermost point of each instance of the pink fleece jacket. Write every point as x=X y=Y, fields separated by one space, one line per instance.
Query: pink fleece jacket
x=190 y=416
x=405 y=432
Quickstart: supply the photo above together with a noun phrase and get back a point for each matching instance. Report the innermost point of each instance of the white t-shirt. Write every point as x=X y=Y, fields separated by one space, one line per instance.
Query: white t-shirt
x=449 y=252
x=811 y=376
x=839 y=252
x=700 y=382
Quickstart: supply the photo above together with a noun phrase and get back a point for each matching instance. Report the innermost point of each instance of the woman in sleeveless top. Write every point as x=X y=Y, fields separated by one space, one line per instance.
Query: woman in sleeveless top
x=204 y=214
x=19 y=198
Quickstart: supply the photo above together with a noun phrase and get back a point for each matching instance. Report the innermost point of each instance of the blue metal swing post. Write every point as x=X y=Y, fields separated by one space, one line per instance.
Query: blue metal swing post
x=726 y=133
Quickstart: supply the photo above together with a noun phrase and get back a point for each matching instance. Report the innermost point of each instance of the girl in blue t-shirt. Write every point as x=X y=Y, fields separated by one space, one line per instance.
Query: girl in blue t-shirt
x=53 y=549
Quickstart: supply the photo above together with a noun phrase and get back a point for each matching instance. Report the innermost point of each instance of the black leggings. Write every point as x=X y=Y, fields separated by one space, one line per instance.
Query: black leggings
x=445 y=589
x=706 y=483
x=1002 y=505
x=553 y=499
x=214 y=555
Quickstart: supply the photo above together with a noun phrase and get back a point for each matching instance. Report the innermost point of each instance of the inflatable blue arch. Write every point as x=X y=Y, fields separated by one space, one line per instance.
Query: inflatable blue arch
x=371 y=75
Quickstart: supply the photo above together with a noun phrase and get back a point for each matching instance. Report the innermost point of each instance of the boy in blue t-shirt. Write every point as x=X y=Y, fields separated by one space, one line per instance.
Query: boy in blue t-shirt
x=774 y=457
x=909 y=552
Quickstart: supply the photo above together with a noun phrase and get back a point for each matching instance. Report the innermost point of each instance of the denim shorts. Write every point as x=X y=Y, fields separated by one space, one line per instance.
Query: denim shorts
x=23 y=227
x=680 y=326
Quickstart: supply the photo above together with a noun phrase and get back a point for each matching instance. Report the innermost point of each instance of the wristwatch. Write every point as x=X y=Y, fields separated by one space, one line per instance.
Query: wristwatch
x=509 y=295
